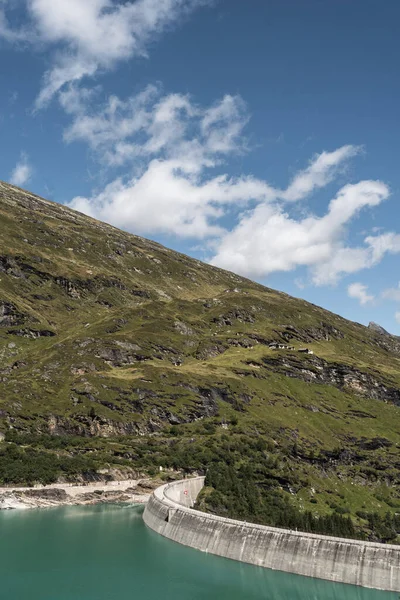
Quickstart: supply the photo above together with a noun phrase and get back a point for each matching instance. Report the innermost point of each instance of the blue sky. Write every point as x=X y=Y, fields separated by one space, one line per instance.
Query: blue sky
x=259 y=135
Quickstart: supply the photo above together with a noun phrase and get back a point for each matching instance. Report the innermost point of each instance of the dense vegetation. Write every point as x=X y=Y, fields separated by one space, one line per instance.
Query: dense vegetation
x=28 y=466
x=246 y=495
x=117 y=353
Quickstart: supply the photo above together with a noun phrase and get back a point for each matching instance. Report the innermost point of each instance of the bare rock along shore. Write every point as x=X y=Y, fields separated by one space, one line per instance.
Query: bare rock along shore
x=67 y=494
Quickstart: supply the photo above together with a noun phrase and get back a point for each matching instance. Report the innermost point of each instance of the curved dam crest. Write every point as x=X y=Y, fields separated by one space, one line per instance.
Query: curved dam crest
x=169 y=512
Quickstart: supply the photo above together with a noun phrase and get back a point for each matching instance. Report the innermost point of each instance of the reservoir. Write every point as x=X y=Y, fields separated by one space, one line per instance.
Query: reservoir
x=106 y=552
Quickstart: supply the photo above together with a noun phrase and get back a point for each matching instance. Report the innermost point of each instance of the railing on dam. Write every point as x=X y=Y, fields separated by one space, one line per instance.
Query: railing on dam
x=169 y=512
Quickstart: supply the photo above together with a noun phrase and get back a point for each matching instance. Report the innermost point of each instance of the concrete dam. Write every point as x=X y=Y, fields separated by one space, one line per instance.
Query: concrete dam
x=169 y=512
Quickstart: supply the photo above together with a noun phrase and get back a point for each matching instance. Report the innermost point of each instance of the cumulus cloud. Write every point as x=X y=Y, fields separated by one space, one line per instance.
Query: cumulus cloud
x=268 y=239
x=321 y=171
x=174 y=143
x=386 y=243
x=392 y=294
x=167 y=199
x=91 y=35
x=177 y=153
x=149 y=124
x=177 y=146
x=359 y=291
x=10 y=33
x=22 y=172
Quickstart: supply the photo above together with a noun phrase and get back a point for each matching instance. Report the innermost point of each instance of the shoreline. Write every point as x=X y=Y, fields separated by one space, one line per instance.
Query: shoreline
x=135 y=491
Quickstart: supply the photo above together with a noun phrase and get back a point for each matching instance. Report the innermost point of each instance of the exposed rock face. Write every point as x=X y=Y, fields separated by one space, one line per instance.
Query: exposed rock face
x=384 y=339
x=91 y=426
x=324 y=331
x=210 y=351
x=241 y=315
x=118 y=357
x=207 y=405
x=377 y=328
x=52 y=494
x=9 y=315
x=98 y=492
x=32 y=333
x=316 y=370
x=183 y=328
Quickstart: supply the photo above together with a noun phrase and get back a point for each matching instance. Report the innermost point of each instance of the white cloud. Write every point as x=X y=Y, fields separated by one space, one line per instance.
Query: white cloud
x=321 y=171
x=223 y=123
x=22 y=172
x=397 y=317
x=392 y=294
x=267 y=239
x=386 y=243
x=164 y=199
x=178 y=185
x=173 y=143
x=7 y=31
x=359 y=291
x=92 y=35
x=148 y=125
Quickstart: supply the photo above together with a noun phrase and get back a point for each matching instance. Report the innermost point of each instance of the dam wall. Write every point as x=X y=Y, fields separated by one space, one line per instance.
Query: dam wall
x=367 y=564
x=184 y=492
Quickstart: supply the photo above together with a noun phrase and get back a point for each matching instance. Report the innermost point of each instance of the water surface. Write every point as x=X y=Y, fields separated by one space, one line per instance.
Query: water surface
x=107 y=553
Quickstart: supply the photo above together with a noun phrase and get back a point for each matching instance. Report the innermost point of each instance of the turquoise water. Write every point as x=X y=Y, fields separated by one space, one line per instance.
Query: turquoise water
x=107 y=553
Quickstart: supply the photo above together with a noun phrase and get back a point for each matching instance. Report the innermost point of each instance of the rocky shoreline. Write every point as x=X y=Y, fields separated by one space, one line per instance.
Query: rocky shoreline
x=66 y=494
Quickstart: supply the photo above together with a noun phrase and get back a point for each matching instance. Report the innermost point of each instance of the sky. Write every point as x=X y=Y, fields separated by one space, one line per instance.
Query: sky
x=260 y=136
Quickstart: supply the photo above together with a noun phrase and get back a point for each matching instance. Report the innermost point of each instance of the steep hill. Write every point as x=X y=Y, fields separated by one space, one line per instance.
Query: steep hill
x=117 y=352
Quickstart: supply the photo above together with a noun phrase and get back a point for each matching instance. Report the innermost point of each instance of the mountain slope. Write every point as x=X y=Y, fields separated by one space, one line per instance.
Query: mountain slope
x=133 y=355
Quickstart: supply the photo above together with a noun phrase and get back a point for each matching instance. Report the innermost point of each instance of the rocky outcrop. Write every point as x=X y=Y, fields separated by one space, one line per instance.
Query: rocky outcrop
x=383 y=339
x=324 y=331
x=10 y=315
x=183 y=328
x=136 y=491
x=313 y=369
x=127 y=354
x=238 y=314
x=26 y=332
x=90 y=426
x=207 y=351
x=377 y=328
x=19 y=267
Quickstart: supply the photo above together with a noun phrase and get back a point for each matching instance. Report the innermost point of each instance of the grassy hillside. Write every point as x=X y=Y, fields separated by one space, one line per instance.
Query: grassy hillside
x=117 y=353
